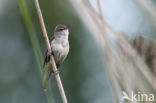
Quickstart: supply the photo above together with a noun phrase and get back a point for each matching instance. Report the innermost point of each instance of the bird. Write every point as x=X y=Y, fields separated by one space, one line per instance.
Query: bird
x=60 y=48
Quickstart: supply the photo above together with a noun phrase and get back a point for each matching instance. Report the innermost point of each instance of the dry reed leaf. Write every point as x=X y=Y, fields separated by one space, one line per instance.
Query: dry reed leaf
x=147 y=51
x=126 y=68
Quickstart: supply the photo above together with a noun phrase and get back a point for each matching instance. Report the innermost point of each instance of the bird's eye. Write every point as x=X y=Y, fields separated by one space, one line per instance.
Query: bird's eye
x=61 y=29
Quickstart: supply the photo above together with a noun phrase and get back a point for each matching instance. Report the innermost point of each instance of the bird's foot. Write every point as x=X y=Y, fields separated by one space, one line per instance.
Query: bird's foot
x=50 y=53
x=56 y=72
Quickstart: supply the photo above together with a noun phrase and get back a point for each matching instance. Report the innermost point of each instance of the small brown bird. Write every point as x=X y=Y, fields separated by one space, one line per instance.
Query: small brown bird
x=60 y=48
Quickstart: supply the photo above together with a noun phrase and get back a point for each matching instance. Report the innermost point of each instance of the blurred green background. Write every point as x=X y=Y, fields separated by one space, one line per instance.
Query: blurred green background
x=83 y=73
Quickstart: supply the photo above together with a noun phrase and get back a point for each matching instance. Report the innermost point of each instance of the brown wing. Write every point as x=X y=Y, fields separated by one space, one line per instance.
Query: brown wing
x=47 y=59
x=46 y=55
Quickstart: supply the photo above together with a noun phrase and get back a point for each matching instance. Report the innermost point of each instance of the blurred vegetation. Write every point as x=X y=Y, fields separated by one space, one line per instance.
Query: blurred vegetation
x=22 y=48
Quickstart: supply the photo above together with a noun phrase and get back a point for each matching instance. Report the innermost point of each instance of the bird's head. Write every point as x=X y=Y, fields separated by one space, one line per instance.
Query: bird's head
x=62 y=30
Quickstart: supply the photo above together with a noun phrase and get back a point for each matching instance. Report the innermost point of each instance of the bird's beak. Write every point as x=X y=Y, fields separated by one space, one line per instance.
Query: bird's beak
x=68 y=26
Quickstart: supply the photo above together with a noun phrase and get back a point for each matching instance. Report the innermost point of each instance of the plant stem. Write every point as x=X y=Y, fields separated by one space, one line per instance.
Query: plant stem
x=57 y=76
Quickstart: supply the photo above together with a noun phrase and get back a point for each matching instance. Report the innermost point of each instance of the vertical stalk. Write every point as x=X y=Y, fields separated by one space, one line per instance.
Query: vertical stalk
x=57 y=76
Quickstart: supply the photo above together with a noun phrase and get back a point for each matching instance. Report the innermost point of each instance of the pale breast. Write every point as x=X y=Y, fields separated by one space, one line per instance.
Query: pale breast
x=60 y=51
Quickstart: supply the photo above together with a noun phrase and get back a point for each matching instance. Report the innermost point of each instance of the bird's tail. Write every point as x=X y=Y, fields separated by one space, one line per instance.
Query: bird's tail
x=46 y=81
